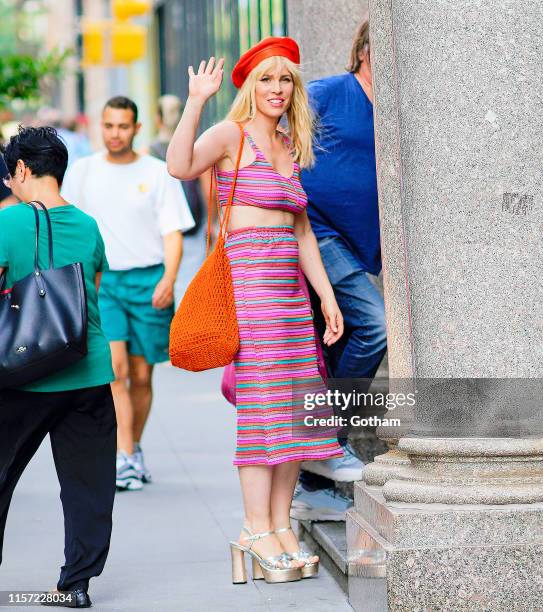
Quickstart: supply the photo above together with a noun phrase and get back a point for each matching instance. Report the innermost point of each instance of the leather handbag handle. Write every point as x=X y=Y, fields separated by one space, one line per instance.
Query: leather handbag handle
x=37 y=272
x=223 y=223
x=37 y=242
x=49 y=229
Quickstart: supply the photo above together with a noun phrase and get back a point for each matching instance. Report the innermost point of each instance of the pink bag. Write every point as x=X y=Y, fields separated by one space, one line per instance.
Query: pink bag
x=228 y=383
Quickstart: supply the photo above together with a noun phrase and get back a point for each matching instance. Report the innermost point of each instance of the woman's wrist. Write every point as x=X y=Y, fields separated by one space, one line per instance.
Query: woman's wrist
x=327 y=294
x=196 y=101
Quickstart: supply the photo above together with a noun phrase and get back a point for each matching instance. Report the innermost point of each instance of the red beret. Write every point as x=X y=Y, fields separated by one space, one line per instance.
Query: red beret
x=269 y=47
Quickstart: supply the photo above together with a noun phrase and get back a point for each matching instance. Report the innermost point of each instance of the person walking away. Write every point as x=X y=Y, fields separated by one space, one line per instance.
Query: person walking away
x=141 y=212
x=345 y=218
x=77 y=143
x=6 y=197
x=74 y=405
x=169 y=110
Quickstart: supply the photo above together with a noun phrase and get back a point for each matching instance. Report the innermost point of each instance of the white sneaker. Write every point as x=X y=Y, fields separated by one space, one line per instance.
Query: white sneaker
x=319 y=505
x=139 y=464
x=341 y=469
x=127 y=477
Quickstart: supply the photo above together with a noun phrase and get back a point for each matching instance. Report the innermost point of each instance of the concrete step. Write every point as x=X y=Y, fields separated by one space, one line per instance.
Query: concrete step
x=362 y=579
x=329 y=540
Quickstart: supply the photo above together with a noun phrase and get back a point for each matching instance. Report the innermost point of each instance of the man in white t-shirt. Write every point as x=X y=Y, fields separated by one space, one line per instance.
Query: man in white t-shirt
x=141 y=211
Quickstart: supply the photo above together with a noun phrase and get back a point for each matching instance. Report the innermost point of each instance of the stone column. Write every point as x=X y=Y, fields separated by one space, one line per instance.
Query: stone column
x=458 y=98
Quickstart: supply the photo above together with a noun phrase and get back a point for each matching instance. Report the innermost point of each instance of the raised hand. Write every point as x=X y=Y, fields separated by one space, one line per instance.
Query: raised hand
x=207 y=81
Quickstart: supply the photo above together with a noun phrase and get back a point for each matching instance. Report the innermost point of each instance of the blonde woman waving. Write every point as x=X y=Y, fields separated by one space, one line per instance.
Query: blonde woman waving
x=268 y=238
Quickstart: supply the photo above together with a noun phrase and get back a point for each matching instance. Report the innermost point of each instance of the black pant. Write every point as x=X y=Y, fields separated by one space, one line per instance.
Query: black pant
x=83 y=432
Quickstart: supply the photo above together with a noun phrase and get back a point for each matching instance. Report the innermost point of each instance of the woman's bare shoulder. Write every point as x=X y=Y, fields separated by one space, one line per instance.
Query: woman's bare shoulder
x=225 y=131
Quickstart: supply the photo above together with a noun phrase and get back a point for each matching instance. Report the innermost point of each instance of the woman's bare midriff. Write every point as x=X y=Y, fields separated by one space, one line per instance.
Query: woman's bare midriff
x=250 y=216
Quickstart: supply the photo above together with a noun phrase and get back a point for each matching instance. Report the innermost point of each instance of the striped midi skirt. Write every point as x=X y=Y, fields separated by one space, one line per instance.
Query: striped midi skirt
x=277 y=358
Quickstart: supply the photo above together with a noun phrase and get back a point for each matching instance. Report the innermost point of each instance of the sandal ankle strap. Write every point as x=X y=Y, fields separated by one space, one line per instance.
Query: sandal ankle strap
x=282 y=529
x=255 y=536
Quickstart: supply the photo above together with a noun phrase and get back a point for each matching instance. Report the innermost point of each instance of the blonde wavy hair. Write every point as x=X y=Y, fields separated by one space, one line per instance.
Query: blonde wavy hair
x=301 y=121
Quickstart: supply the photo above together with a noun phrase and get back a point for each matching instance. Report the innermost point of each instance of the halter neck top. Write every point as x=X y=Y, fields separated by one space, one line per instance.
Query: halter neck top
x=259 y=184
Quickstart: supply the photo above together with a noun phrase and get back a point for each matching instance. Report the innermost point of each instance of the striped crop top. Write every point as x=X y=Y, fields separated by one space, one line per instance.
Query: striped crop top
x=259 y=184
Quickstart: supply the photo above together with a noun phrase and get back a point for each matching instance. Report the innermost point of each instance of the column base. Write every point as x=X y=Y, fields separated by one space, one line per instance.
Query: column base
x=438 y=557
x=468 y=471
x=386 y=466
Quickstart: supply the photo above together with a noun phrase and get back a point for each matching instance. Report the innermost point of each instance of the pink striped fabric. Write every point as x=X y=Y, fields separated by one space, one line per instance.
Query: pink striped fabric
x=259 y=184
x=277 y=358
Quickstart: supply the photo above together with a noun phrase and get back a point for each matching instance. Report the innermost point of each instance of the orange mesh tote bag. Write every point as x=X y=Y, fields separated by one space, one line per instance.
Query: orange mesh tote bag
x=204 y=331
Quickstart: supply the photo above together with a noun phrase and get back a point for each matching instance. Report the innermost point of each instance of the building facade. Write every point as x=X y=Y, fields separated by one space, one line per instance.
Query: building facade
x=191 y=30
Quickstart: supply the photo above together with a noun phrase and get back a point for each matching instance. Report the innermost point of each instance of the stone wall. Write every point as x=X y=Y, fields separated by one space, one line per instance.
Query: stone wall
x=324 y=31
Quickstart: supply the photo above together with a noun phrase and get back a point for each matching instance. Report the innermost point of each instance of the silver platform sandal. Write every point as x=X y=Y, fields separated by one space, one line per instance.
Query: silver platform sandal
x=273 y=569
x=309 y=569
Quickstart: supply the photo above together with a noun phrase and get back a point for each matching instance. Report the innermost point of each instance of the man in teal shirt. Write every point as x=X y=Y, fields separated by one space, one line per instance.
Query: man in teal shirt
x=74 y=405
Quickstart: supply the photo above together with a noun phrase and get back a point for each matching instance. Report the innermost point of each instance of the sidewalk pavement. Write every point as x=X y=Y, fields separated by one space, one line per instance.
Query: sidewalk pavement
x=169 y=549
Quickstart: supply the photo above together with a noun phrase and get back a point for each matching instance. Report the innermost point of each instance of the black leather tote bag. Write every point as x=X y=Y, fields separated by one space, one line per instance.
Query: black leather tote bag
x=43 y=319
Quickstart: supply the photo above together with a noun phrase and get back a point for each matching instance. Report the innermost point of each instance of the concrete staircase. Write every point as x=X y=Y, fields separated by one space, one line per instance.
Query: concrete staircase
x=329 y=538
x=330 y=541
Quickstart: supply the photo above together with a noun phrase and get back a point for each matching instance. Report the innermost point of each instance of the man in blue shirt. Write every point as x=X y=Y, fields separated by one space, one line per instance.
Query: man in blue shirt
x=343 y=210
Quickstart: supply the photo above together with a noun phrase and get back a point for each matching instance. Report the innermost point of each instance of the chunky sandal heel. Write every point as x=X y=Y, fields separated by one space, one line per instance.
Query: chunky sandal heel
x=257 y=570
x=239 y=573
x=278 y=568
